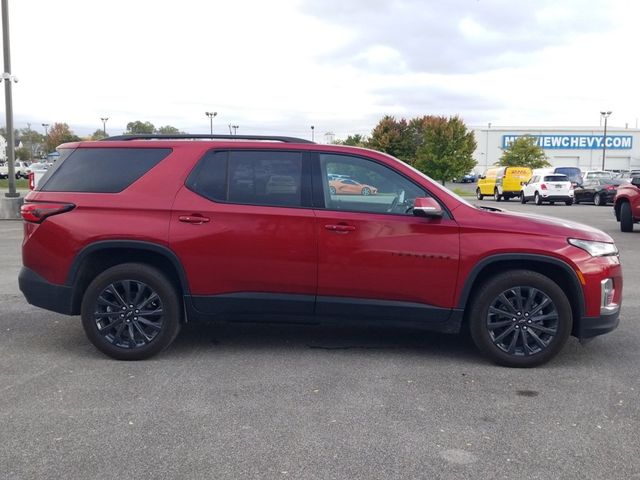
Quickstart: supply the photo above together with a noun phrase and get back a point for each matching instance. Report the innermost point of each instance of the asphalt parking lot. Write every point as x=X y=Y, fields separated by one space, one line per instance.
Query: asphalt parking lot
x=315 y=402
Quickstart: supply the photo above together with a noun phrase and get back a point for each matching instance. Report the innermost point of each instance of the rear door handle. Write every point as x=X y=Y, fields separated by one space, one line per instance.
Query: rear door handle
x=195 y=219
x=340 y=228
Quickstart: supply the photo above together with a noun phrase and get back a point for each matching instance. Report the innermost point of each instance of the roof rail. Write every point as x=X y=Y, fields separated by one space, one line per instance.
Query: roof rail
x=186 y=136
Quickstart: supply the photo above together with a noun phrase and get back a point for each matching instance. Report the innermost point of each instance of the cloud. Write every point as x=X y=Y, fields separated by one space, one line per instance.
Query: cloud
x=457 y=36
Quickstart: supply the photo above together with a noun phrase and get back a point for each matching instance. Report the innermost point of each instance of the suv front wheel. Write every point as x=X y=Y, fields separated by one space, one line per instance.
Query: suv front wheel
x=131 y=311
x=520 y=318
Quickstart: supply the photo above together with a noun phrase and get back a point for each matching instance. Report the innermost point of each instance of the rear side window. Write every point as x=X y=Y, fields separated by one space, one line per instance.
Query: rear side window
x=102 y=170
x=271 y=178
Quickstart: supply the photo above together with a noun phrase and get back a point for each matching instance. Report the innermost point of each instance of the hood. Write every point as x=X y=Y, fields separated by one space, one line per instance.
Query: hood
x=543 y=225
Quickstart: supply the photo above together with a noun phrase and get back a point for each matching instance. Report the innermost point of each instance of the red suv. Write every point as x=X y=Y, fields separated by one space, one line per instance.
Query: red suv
x=138 y=236
x=627 y=204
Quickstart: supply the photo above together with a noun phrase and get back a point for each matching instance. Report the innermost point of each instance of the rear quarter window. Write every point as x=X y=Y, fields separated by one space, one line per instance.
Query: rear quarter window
x=101 y=170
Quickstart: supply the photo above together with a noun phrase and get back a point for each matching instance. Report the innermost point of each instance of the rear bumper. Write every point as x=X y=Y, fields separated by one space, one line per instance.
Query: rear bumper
x=40 y=293
x=556 y=198
x=593 y=326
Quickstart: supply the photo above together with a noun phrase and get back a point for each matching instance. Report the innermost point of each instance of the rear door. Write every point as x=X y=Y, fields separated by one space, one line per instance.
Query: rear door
x=243 y=228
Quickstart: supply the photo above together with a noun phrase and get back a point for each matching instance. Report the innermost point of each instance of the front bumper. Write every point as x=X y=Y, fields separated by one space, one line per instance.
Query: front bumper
x=40 y=293
x=589 y=327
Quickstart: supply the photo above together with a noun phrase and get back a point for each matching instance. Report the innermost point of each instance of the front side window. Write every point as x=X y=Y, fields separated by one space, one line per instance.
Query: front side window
x=270 y=178
x=360 y=185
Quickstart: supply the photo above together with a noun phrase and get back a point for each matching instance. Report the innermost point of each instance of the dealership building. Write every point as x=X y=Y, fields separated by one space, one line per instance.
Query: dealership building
x=565 y=146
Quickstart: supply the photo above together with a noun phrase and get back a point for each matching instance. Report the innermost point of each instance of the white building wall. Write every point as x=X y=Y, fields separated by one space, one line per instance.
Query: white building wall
x=490 y=142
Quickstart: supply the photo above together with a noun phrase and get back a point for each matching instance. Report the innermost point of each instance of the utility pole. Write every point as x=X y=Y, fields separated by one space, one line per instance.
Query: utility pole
x=312 y=132
x=104 y=125
x=8 y=99
x=211 y=115
x=604 y=115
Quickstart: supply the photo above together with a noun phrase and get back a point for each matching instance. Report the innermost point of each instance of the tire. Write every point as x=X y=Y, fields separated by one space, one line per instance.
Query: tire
x=598 y=201
x=332 y=190
x=626 y=218
x=130 y=335
x=496 y=196
x=568 y=203
x=479 y=195
x=537 y=199
x=366 y=191
x=509 y=339
x=522 y=199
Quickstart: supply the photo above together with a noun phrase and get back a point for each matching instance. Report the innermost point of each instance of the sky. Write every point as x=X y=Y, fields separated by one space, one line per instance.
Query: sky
x=281 y=66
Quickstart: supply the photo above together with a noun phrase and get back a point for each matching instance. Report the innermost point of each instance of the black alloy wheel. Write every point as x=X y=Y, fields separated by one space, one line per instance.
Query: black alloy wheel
x=131 y=312
x=520 y=319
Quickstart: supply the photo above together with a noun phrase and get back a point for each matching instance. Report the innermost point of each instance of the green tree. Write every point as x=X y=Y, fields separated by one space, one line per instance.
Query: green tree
x=168 y=130
x=139 y=127
x=356 y=140
x=23 y=153
x=445 y=148
x=32 y=141
x=392 y=136
x=524 y=152
x=98 y=135
x=59 y=133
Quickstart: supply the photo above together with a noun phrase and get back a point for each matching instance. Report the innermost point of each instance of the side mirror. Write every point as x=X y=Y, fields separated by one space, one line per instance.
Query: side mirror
x=427 y=207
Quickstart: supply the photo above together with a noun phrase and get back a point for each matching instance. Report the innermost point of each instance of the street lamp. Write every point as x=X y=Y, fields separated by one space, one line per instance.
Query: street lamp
x=312 y=132
x=235 y=129
x=104 y=125
x=46 y=126
x=211 y=115
x=604 y=115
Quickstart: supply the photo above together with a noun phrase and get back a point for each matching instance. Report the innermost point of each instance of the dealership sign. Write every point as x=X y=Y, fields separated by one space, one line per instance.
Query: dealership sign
x=576 y=142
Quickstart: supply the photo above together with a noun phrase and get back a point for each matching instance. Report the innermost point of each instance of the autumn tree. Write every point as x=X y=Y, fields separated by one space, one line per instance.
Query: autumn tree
x=98 y=135
x=524 y=152
x=58 y=134
x=392 y=136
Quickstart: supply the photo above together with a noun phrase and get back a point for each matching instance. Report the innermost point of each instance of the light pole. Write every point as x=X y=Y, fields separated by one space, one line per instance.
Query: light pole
x=604 y=115
x=312 y=132
x=46 y=126
x=8 y=99
x=235 y=129
x=104 y=125
x=211 y=115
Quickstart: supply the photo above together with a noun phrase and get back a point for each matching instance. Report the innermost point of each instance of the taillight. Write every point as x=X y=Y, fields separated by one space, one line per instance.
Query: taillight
x=32 y=180
x=543 y=186
x=611 y=187
x=36 y=212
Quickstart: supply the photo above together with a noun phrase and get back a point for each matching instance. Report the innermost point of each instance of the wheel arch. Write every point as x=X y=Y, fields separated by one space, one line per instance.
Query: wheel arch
x=99 y=256
x=555 y=269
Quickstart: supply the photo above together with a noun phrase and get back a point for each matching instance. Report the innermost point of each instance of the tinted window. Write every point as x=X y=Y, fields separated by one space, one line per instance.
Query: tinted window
x=101 y=170
x=269 y=178
x=371 y=187
x=556 y=178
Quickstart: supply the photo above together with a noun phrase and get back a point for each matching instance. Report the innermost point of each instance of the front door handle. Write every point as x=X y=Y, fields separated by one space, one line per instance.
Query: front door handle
x=340 y=228
x=195 y=219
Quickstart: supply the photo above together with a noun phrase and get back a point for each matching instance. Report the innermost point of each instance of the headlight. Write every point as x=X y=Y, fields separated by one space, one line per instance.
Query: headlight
x=595 y=249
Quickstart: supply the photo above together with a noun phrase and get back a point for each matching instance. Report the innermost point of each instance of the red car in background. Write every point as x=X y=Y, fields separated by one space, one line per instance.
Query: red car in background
x=627 y=204
x=348 y=186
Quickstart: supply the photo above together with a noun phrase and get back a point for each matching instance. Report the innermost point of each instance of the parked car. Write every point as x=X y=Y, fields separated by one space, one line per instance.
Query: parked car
x=600 y=191
x=502 y=182
x=139 y=236
x=592 y=174
x=627 y=204
x=348 y=186
x=548 y=188
x=21 y=169
x=573 y=173
x=4 y=171
x=468 y=178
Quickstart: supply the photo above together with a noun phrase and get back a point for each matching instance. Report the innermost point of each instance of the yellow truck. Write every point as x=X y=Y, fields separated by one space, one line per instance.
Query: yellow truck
x=502 y=183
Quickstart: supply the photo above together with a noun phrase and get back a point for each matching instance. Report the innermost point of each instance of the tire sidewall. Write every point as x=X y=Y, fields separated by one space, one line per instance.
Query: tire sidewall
x=171 y=305
x=626 y=218
x=485 y=296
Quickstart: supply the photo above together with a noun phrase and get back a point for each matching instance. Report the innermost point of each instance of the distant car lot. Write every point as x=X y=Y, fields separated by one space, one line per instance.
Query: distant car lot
x=249 y=401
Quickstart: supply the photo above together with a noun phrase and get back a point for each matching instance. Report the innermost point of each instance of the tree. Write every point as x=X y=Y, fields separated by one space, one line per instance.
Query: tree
x=98 y=135
x=59 y=133
x=356 y=140
x=139 y=127
x=446 y=147
x=392 y=136
x=23 y=154
x=168 y=130
x=524 y=152
x=32 y=141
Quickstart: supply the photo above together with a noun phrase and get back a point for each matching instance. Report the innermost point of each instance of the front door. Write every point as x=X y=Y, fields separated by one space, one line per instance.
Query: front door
x=375 y=257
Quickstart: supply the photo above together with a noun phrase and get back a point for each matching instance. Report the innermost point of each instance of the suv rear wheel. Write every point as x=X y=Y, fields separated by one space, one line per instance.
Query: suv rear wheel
x=520 y=318
x=626 y=218
x=131 y=311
